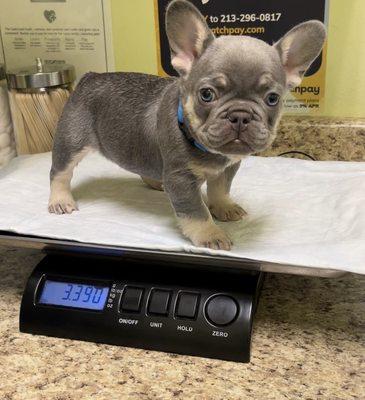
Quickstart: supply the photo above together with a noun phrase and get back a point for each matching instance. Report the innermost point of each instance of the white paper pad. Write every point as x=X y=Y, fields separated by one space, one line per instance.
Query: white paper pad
x=302 y=213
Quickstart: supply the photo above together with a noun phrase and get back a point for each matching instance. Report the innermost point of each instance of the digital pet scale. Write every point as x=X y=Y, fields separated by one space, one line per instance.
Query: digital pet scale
x=176 y=302
x=185 y=305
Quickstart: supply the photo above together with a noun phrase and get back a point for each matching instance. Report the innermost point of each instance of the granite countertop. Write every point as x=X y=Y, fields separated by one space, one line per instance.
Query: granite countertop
x=308 y=343
x=321 y=138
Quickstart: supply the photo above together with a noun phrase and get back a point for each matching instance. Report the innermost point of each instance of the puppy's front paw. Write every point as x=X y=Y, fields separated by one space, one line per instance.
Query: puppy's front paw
x=205 y=234
x=215 y=239
x=62 y=204
x=227 y=211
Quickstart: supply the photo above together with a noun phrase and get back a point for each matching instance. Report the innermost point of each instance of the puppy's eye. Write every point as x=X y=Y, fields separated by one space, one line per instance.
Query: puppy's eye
x=207 y=95
x=272 y=99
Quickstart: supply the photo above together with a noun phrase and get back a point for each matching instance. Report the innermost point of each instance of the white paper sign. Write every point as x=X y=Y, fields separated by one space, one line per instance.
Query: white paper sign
x=76 y=32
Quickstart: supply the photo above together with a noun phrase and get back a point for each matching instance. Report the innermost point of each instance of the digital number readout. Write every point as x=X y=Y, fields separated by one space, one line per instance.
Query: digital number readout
x=76 y=295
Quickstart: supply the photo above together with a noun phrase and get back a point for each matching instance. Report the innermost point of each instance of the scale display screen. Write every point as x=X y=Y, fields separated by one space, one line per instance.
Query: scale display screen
x=75 y=295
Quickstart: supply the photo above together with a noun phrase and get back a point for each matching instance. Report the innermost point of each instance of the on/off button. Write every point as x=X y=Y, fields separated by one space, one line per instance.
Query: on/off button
x=131 y=299
x=221 y=310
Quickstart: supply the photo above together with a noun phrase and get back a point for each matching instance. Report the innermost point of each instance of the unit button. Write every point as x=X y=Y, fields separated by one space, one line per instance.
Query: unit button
x=221 y=310
x=187 y=304
x=131 y=299
x=159 y=302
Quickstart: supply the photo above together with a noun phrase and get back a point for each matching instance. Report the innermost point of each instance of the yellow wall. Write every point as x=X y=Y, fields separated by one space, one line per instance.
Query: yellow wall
x=134 y=35
x=135 y=50
x=345 y=84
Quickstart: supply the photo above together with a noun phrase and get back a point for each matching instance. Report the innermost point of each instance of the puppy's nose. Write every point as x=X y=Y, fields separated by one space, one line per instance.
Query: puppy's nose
x=239 y=119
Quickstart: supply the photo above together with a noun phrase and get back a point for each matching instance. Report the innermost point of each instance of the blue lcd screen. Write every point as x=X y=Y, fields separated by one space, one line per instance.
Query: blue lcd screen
x=76 y=295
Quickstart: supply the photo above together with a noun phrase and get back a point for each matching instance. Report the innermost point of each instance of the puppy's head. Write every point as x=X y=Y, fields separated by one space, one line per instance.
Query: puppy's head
x=232 y=87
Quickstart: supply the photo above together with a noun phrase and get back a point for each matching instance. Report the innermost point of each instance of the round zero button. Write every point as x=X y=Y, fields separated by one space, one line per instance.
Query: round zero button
x=221 y=310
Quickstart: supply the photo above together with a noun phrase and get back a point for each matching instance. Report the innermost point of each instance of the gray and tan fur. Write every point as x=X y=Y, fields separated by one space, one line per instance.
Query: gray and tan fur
x=229 y=87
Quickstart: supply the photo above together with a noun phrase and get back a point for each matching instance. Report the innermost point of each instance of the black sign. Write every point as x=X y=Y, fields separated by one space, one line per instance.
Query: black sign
x=268 y=20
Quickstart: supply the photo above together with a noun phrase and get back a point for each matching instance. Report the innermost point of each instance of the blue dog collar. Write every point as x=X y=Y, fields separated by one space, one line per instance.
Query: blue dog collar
x=180 y=119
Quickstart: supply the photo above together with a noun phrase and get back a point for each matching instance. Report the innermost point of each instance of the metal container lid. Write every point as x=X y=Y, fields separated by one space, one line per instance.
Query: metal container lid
x=2 y=72
x=40 y=76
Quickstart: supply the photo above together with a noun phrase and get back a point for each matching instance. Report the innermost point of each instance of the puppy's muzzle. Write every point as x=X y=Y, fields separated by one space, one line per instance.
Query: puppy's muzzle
x=239 y=120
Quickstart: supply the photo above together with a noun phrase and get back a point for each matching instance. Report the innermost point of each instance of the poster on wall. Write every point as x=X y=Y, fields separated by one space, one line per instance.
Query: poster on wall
x=76 y=32
x=267 y=20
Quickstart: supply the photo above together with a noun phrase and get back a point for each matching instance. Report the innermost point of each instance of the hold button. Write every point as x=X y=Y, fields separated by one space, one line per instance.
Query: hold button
x=187 y=305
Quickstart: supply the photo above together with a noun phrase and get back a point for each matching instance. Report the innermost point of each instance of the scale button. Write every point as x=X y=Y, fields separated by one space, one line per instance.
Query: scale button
x=187 y=304
x=221 y=310
x=131 y=299
x=159 y=302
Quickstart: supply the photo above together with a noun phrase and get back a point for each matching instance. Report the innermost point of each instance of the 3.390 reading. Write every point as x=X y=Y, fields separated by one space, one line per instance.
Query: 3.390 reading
x=83 y=293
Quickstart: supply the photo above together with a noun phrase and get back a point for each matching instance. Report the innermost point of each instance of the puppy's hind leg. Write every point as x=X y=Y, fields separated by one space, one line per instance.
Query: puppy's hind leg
x=157 y=185
x=61 y=200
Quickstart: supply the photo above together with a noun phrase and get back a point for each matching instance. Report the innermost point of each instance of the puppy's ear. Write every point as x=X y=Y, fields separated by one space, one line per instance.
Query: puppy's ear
x=188 y=34
x=299 y=48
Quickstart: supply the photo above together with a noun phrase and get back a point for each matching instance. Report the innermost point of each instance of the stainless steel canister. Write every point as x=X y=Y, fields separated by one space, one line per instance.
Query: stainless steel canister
x=38 y=94
x=7 y=144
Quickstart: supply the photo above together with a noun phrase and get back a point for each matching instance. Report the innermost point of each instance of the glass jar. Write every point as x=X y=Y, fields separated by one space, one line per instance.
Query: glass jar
x=37 y=96
x=7 y=144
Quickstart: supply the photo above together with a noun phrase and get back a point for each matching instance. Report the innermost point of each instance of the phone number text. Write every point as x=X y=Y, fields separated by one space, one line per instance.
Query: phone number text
x=226 y=18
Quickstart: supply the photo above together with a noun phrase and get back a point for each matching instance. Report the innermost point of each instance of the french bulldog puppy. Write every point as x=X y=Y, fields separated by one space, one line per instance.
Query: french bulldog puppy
x=181 y=132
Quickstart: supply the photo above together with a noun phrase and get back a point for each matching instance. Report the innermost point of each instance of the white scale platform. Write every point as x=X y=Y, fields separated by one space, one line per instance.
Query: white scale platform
x=304 y=217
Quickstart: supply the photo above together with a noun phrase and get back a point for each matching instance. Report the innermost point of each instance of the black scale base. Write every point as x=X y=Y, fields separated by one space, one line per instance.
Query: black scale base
x=191 y=310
